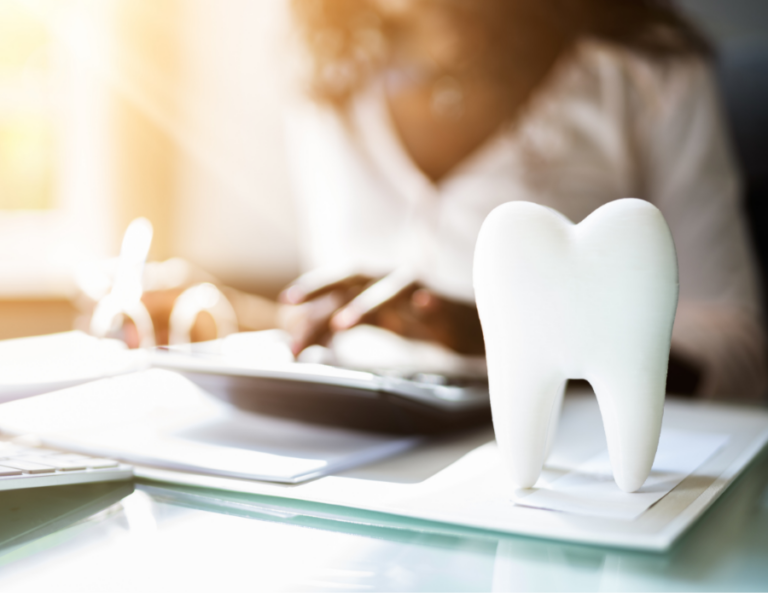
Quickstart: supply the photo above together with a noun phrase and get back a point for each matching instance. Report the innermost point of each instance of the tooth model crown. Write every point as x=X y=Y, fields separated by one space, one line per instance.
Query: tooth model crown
x=558 y=301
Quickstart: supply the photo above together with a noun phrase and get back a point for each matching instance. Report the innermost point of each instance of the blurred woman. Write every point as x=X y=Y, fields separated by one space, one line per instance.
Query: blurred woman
x=427 y=114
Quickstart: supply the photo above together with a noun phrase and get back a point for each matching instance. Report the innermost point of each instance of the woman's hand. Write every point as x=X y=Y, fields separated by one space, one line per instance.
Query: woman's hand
x=310 y=302
x=313 y=312
x=159 y=304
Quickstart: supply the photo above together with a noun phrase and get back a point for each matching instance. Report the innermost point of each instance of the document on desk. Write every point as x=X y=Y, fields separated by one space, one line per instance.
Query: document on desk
x=590 y=490
x=38 y=364
x=159 y=418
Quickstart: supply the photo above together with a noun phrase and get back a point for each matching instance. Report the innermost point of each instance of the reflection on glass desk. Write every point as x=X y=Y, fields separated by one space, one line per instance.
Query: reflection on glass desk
x=158 y=537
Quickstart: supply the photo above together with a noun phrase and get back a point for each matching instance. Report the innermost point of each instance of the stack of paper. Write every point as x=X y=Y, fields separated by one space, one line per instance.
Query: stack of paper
x=159 y=418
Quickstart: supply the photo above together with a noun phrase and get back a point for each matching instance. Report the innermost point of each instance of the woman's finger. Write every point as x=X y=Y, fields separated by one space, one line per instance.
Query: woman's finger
x=390 y=289
x=311 y=321
x=307 y=323
x=319 y=282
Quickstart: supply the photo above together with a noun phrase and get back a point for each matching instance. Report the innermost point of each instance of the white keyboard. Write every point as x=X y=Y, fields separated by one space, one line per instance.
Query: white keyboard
x=22 y=467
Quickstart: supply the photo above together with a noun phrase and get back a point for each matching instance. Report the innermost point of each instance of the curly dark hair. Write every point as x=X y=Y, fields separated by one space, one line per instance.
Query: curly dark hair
x=349 y=40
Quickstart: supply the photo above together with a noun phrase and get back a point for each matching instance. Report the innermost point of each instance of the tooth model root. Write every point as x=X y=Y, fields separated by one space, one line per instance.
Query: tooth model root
x=535 y=401
x=592 y=301
x=631 y=404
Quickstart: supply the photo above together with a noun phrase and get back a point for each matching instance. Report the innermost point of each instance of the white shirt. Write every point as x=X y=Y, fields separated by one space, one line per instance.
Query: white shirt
x=608 y=124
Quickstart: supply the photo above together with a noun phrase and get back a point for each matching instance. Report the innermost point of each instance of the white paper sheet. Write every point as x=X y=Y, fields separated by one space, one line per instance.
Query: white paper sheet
x=241 y=445
x=159 y=418
x=39 y=364
x=590 y=490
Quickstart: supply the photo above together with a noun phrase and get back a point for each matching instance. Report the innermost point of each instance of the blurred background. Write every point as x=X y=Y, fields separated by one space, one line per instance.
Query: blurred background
x=171 y=110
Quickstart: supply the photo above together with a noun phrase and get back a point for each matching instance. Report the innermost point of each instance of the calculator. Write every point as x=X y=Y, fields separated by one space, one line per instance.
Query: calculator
x=379 y=401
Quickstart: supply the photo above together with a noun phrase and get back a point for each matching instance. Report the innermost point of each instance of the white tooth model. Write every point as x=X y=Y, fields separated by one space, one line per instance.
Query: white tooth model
x=595 y=301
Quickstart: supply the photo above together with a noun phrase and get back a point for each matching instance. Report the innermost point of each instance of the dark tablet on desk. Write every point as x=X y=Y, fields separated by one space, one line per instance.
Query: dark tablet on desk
x=419 y=403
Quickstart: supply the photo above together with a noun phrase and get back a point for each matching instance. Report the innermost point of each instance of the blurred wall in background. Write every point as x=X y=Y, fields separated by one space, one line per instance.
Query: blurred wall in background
x=730 y=20
x=234 y=214
x=56 y=176
x=143 y=80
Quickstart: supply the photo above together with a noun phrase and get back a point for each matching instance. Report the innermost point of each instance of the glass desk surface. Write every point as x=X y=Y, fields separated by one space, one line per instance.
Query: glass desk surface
x=157 y=537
